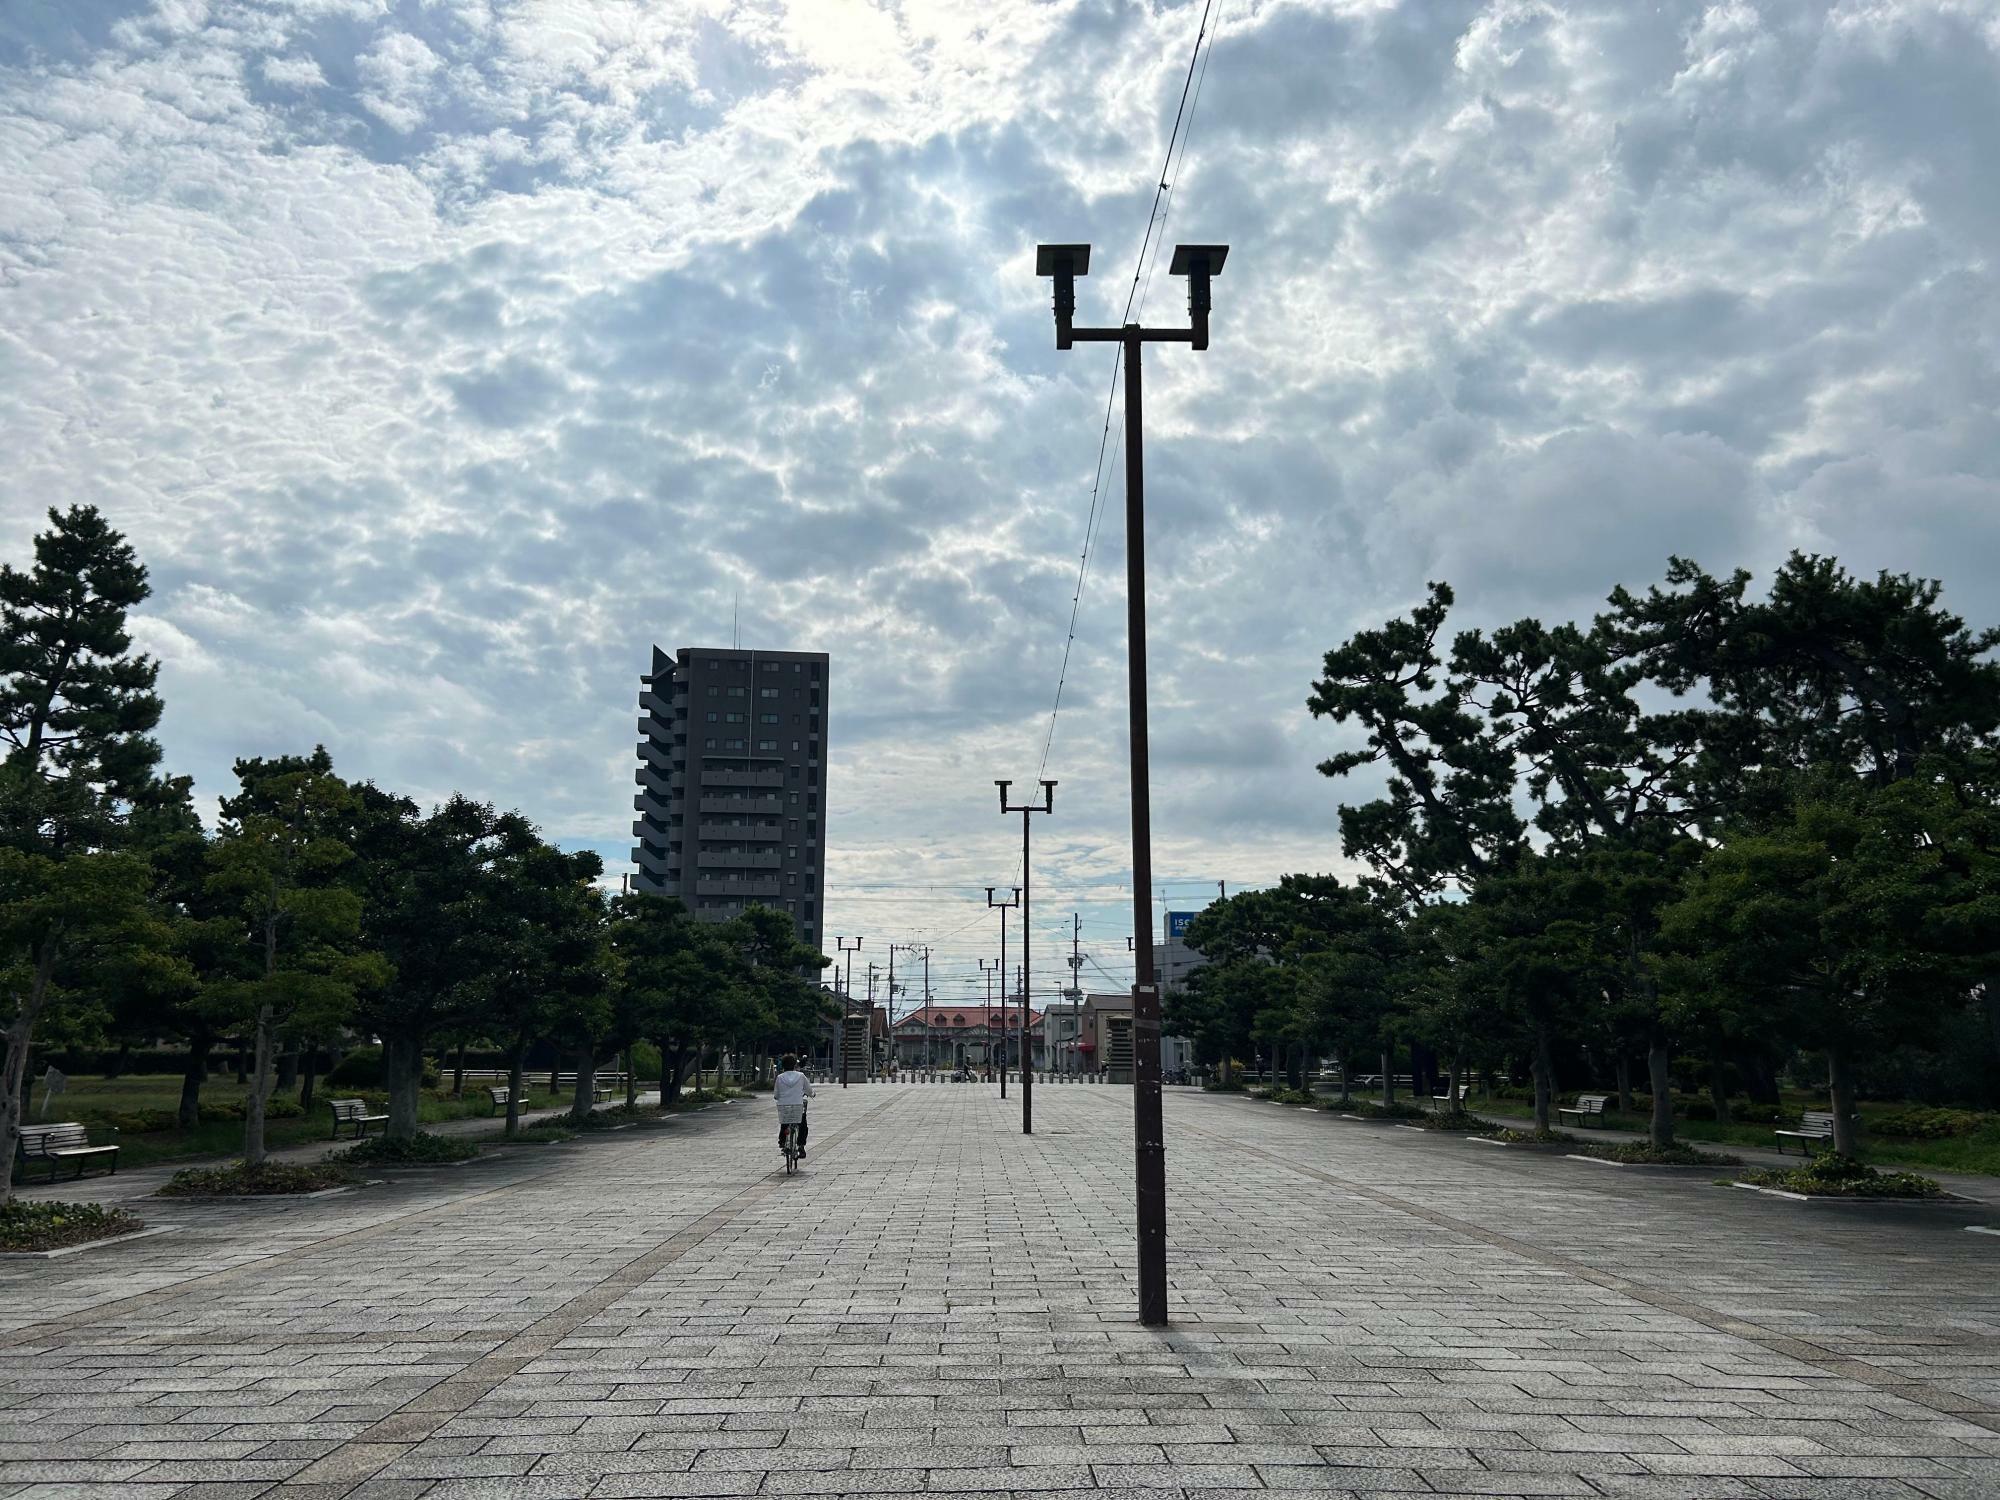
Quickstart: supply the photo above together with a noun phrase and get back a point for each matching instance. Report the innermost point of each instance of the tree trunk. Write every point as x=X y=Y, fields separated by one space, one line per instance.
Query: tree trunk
x=311 y=1069
x=242 y=1061
x=1544 y=1072
x=193 y=1076
x=1345 y=1097
x=1624 y=1082
x=1388 y=1077
x=458 y=1072
x=14 y=1070
x=514 y=1081
x=253 y=1103
x=1659 y=1078
x=1759 y=1077
x=1718 y=1087
x=403 y=1063
x=670 y=1074
x=582 y=1097
x=631 y=1082
x=288 y=1068
x=1846 y=1135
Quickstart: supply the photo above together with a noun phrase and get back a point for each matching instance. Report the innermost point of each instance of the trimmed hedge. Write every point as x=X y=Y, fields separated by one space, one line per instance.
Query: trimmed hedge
x=363 y=1068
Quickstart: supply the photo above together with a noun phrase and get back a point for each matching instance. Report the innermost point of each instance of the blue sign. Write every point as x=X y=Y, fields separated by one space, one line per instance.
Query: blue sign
x=1177 y=923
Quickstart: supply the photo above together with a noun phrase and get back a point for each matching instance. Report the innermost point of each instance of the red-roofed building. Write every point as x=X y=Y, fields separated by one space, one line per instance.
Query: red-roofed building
x=946 y=1035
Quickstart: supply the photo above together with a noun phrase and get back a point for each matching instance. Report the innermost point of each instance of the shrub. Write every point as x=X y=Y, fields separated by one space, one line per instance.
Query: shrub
x=1695 y=1109
x=363 y=1069
x=1531 y=1137
x=1830 y=1176
x=235 y=1180
x=1917 y=1123
x=1645 y=1153
x=421 y=1149
x=1305 y=1097
x=1373 y=1109
x=48 y=1224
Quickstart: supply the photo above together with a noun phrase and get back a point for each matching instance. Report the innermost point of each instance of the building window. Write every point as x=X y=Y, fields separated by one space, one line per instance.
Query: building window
x=791 y=879
x=711 y=716
x=774 y=666
x=739 y=692
x=795 y=797
x=767 y=744
x=767 y=718
x=795 y=773
x=767 y=692
x=794 y=826
x=792 y=852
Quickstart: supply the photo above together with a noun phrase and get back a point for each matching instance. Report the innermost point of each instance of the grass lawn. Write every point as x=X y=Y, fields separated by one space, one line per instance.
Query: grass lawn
x=94 y=1100
x=1975 y=1153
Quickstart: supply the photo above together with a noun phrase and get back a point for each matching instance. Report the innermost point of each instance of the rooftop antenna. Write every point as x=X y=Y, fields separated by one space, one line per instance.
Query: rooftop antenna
x=735 y=639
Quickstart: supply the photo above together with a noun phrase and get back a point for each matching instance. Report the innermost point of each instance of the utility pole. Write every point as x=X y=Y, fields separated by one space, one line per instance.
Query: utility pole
x=1003 y=907
x=1048 y=805
x=895 y=1052
x=871 y=1015
x=1077 y=983
x=847 y=1009
x=1199 y=263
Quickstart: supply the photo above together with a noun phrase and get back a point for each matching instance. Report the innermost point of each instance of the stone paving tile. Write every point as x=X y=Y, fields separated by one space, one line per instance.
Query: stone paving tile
x=921 y=1312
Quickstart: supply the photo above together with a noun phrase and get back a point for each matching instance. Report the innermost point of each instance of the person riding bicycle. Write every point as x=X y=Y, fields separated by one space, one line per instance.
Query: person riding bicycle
x=791 y=1091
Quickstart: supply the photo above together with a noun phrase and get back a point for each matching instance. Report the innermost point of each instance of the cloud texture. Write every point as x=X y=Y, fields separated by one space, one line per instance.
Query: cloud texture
x=441 y=356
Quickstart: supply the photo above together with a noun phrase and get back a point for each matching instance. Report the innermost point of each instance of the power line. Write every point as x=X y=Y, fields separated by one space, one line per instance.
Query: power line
x=1154 y=221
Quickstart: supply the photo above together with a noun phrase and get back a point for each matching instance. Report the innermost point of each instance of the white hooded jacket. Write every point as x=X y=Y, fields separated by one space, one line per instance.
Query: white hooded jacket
x=791 y=1091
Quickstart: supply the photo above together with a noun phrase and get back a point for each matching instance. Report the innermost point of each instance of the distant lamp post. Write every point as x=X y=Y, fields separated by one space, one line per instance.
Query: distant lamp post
x=1003 y=907
x=990 y=967
x=847 y=1012
x=1048 y=805
x=1199 y=264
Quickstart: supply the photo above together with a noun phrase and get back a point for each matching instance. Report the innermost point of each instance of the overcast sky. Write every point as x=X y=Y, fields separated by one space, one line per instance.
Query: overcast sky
x=443 y=356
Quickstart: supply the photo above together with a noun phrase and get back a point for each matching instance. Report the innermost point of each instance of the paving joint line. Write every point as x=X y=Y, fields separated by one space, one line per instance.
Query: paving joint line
x=361 y=1457
x=1920 y=1393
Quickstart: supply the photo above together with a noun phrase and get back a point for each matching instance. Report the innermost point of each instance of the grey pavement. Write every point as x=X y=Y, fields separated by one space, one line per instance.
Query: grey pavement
x=937 y=1304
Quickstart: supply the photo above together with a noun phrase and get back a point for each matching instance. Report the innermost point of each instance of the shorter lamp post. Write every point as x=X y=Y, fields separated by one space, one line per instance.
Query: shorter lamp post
x=1003 y=907
x=1048 y=805
x=989 y=967
x=847 y=1010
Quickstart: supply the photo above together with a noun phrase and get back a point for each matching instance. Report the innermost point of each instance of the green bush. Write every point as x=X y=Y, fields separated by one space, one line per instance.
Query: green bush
x=1695 y=1109
x=49 y=1224
x=1645 y=1153
x=1830 y=1176
x=1374 y=1109
x=1917 y=1123
x=140 y=1121
x=235 y=1180
x=421 y=1149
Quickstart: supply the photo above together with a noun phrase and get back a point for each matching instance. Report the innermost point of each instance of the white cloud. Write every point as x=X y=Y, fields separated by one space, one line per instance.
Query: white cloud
x=439 y=358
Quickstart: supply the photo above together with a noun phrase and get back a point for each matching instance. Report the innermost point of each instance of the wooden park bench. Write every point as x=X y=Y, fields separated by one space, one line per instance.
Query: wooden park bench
x=1588 y=1107
x=1816 y=1125
x=1464 y=1093
x=56 y=1145
x=498 y=1095
x=354 y=1112
x=600 y=1091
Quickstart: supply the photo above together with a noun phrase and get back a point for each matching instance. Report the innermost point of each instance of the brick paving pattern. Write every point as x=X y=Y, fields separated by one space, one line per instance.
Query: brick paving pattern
x=937 y=1304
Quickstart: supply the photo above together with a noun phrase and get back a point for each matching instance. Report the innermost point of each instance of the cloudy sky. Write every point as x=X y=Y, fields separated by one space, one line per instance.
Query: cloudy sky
x=442 y=356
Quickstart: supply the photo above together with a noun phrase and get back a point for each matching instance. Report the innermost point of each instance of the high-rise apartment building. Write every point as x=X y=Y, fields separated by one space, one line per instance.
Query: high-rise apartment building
x=732 y=782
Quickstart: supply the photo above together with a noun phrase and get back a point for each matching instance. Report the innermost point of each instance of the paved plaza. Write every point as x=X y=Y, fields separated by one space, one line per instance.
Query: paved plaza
x=938 y=1304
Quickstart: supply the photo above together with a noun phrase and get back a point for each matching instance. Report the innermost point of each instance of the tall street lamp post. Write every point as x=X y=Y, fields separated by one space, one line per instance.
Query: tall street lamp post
x=1048 y=805
x=1003 y=907
x=847 y=1010
x=1199 y=263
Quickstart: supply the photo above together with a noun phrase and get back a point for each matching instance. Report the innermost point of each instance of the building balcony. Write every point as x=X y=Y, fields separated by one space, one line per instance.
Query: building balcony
x=653 y=807
x=656 y=755
x=763 y=859
x=743 y=778
x=646 y=859
x=655 y=705
x=745 y=806
x=742 y=829
x=742 y=890
x=658 y=785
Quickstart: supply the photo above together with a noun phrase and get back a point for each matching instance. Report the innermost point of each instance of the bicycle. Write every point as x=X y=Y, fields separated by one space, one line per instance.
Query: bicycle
x=788 y=1142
